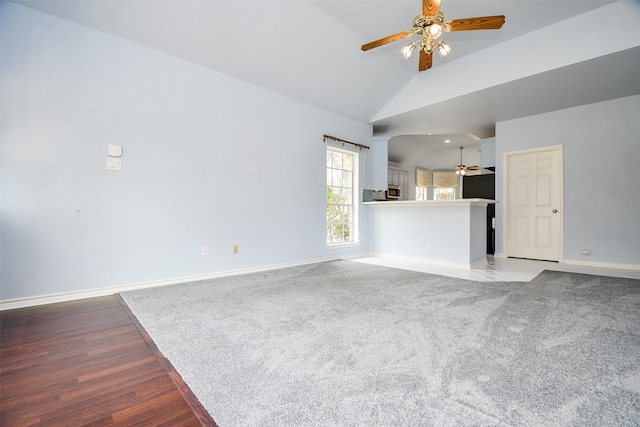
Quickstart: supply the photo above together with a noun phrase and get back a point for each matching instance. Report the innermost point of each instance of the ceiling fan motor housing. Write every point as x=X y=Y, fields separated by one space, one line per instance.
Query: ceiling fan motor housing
x=421 y=22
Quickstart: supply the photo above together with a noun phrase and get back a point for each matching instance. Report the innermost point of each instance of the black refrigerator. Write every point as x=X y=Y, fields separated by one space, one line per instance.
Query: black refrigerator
x=483 y=187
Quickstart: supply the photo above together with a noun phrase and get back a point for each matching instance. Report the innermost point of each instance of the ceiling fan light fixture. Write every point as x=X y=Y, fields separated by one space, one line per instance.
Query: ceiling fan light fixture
x=443 y=49
x=430 y=24
x=427 y=45
x=408 y=50
x=434 y=30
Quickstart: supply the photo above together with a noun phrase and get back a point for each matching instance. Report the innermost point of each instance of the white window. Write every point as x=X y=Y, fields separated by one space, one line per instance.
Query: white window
x=342 y=190
x=421 y=193
x=444 y=193
x=422 y=184
x=444 y=185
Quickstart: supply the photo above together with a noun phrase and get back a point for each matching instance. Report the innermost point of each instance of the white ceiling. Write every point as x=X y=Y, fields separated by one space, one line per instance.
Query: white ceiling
x=310 y=50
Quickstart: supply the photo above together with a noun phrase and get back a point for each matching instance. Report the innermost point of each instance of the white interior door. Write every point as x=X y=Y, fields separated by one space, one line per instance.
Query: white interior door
x=534 y=204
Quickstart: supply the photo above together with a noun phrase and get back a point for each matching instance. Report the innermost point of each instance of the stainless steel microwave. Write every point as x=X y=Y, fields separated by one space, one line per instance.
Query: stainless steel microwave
x=393 y=192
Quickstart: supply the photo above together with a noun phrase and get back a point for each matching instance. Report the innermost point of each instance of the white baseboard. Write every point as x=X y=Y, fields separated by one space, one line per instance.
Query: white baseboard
x=586 y=263
x=602 y=264
x=438 y=262
x=92 y=293
x=354 y=256
x=480 y=263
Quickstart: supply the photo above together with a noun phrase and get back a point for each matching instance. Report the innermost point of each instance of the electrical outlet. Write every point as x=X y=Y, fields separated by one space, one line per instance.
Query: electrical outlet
x=585 y=252
x=205 y=250
x=234 y=249
x=114 y=163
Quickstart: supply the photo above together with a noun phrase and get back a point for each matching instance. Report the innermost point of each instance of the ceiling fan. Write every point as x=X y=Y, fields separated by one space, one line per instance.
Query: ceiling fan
x=429 y=25
x=462 y=169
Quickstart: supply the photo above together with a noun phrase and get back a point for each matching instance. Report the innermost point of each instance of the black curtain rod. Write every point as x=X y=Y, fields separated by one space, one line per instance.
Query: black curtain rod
x=325 y=137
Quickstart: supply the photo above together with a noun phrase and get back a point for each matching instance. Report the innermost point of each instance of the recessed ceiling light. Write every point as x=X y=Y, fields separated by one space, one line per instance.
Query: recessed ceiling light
x=446 y=141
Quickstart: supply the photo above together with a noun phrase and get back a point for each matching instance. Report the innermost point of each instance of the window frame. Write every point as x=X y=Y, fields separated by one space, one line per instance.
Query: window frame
x=354 y=202
x=436 y=190
x=420 y=191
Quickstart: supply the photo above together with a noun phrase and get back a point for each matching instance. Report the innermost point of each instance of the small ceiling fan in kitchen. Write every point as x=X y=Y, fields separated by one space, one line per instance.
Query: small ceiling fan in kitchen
x=429 y=25
x=462 y=169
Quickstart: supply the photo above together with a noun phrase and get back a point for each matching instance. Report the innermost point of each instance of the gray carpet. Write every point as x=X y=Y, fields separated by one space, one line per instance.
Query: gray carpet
x=348 y=344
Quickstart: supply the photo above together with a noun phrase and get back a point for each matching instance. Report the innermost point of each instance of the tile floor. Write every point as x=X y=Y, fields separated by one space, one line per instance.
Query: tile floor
x=497 y=269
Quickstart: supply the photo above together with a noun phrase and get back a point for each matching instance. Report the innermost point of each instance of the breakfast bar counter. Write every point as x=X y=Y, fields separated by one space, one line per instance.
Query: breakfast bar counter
x=452 y=232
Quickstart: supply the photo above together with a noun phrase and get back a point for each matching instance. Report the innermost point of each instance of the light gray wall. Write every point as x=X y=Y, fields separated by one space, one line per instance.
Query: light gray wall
x=379 y=161
x=601 y=147
x=1 y=161
x=398 y=229
x=488 y=152
x=208 y=160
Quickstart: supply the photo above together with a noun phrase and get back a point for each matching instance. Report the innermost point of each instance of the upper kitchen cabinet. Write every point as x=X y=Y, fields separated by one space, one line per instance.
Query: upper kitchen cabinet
x=399 y=177
x=488 y=153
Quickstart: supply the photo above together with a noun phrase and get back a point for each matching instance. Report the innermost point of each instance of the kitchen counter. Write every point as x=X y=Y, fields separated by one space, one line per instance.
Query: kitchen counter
x=462 y=202
x=452 y=232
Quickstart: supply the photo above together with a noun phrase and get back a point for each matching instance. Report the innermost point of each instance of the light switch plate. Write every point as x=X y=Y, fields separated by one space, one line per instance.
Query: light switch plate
x=114 y=150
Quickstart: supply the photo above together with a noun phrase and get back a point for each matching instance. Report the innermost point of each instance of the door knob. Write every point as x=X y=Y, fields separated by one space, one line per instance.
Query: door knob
x=555 y=211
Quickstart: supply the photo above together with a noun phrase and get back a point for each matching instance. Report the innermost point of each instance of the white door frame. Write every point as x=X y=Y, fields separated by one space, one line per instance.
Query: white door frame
x=505 y=192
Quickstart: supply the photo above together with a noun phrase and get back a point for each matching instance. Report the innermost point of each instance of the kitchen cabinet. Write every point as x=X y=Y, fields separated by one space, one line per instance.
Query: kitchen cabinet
x=400 y=178
x=404 y=185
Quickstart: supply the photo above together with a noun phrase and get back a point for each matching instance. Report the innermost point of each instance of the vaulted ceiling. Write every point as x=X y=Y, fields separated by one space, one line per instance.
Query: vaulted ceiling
x=310 y=50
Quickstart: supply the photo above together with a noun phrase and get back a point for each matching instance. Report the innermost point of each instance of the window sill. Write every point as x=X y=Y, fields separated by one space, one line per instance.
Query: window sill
x=342 y=245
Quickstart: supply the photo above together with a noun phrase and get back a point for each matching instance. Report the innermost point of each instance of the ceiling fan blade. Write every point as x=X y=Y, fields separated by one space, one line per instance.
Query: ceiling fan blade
x=480 y=23
x=388 y=39
x=430 y=7
x=425 y=60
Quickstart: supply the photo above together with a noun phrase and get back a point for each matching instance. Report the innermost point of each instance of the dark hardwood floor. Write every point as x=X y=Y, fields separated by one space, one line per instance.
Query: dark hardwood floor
x=88 y=362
